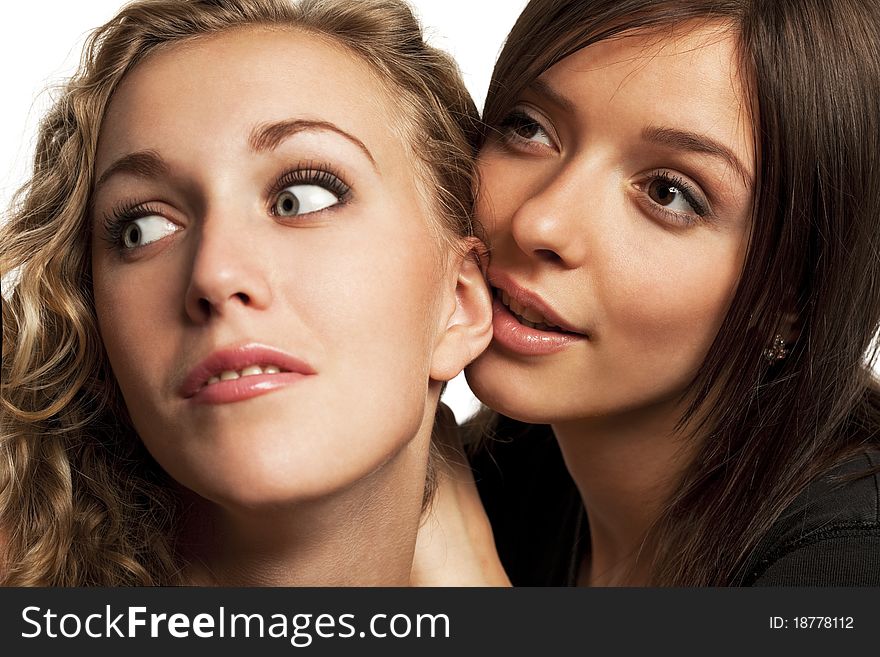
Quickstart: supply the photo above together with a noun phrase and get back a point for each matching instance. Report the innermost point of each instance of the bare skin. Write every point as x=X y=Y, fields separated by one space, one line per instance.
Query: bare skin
x=250 y=194
x=634 y=236
x=455 y=545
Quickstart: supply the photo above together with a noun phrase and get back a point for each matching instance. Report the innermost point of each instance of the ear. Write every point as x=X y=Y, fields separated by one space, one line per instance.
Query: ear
x=790 y=327
x=466 y=318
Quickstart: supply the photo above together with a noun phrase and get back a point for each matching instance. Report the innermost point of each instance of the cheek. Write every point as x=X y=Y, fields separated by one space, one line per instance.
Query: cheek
x=377 y=297
x=498 y=198
x=666 y=313
x=133 y=318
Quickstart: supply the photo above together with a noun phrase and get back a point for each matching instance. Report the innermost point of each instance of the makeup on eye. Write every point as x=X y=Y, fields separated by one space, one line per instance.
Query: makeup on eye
x=298 y=192
x=131 y=222
x=521 y=129
x=304 y=191
x=669 y=195
x=673 y=198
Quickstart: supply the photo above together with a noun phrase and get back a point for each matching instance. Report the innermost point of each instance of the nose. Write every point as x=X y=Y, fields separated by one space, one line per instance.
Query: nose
x=550 y=222
x=228 y=271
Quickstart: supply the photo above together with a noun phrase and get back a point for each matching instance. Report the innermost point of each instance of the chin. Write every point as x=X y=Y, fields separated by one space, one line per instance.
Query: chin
x=512 y=391
x=251 y=488
x=499 y=390
x=247 y=476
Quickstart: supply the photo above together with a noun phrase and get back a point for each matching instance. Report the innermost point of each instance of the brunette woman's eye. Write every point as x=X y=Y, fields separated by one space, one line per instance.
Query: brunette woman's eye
x=518 y=125
x=303 y=199
x=664 y=193
x=674 y=198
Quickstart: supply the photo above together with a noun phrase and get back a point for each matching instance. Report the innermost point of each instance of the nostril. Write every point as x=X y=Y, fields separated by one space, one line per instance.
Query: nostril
x=208 y=308
x=548 y=256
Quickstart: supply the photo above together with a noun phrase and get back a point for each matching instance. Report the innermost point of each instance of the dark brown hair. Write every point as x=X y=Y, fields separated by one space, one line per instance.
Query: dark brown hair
x=813 y=71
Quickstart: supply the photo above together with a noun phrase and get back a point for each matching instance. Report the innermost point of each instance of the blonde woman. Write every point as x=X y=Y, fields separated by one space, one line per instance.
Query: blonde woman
x=246 y=267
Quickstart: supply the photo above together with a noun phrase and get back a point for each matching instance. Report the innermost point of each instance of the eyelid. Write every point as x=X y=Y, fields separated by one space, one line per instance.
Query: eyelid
x=123 y=213
x=309 y=173
x=167 y=228
x=536 y=115
x=692 y=193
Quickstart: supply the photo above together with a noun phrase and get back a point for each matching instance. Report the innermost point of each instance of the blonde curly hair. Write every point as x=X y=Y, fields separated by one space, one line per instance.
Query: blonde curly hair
x=81 y=501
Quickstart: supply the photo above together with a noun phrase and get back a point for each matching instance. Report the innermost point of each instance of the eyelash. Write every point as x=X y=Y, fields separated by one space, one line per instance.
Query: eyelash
x=519 y=118
x=322 y=175
x=690 y=194
x=122 y=214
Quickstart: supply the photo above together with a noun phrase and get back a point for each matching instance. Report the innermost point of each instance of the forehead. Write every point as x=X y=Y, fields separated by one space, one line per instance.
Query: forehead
x=687 y=75
x=693 y=52
x=222 y=86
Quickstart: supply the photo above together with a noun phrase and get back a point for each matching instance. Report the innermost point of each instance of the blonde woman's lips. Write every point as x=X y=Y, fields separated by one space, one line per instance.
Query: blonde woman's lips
x=241 y=372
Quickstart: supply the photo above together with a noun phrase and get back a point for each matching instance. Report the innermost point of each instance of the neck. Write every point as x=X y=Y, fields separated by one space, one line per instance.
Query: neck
x=363 y=535
x=625 y=467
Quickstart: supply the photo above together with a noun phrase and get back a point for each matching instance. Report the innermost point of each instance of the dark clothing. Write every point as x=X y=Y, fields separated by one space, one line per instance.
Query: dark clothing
x=830 y=535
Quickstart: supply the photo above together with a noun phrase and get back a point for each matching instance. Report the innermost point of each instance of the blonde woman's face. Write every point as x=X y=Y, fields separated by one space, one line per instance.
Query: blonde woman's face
x=617 y=202
x=267 y=283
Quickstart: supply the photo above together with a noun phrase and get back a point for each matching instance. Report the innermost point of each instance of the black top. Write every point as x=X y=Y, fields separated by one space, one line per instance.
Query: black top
x=830 y=535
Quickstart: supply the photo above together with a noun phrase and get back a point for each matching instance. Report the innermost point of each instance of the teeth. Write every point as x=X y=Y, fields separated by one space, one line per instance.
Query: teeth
x=527 y=316
x=525 y=312
x=250 y=370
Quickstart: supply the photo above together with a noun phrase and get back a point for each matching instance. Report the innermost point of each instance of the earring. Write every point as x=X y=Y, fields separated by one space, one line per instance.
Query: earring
x=777 y=350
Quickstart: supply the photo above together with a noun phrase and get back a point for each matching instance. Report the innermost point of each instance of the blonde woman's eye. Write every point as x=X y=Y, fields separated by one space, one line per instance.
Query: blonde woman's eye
x=146 y=230
x=303 y=199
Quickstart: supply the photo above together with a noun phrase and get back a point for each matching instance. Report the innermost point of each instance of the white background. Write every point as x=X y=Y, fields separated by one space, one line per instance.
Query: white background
x=40 y=43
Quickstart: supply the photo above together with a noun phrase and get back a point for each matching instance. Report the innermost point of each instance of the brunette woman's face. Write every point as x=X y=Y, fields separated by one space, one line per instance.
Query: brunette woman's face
x=617 y=201
x=267 y=280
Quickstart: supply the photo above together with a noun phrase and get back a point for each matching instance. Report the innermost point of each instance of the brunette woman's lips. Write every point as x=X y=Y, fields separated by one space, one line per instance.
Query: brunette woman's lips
x=524 y=324
x=242 y=372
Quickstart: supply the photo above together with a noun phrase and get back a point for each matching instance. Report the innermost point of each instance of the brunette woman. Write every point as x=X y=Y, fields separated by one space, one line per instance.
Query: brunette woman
x=683 y=206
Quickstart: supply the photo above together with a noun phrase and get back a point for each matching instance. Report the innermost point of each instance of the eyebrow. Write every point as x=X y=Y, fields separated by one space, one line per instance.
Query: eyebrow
x=692 y=142
x=683 y=140
x=149 y=164
x=144 y=164
x=544 y=89
x=269 y=136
